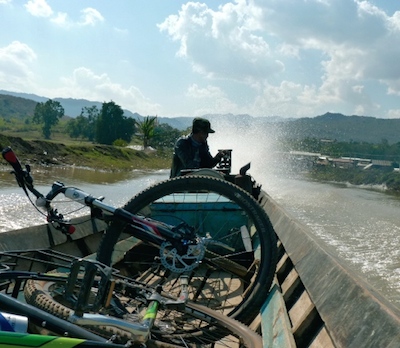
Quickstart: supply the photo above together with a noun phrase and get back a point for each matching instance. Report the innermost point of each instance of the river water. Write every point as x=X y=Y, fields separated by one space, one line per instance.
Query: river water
x=361 y=225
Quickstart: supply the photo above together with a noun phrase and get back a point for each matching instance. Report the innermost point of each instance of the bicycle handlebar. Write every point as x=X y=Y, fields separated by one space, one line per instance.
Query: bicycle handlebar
x=23 y=177
x=11 y=158
x=150 y=228
x=25 y=181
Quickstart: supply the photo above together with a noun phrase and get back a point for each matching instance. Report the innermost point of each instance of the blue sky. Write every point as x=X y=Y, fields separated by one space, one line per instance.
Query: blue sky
x=290 y=58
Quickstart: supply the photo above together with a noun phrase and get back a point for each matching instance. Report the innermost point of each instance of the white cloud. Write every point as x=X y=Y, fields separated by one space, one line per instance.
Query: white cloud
x=195 y=91
x=61 y=19
x=90 y=16
x=223 y=44
x=394 y=113
x=15 y=66
x=394 y=21
x=210 y=100
x=256 y=42
x=39 y=8
x=84 y=83
x=288 y=98
x=289 y=58
x=3 y=2
x=339 y=32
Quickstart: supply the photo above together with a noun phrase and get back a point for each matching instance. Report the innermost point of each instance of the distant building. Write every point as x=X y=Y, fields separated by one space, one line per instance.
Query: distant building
x=323 y=161
x=379 y=164
x=343 y=162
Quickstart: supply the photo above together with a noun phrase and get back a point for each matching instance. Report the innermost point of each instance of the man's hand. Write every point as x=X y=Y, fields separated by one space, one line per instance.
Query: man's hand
x=221 y=154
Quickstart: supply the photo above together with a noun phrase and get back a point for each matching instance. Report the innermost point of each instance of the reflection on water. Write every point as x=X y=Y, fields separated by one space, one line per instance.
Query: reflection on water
x=45 y=175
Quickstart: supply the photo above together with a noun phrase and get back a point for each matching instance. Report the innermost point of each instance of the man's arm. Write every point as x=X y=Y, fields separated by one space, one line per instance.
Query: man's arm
x=208 y=161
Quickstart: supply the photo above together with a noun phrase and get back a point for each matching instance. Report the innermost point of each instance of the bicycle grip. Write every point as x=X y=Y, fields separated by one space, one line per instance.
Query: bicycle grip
x=10 y=157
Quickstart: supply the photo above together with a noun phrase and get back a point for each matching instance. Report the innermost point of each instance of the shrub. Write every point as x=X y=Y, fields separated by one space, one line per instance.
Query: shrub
x=120 y=143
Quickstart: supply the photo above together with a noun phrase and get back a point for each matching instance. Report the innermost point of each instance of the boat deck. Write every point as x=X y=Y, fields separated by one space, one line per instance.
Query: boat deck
x=315 y=300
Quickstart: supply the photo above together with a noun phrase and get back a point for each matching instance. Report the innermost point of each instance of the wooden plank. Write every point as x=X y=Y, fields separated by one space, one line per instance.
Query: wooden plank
x=290 y=283
x=275 y=326
x=282 y=263
x=322 y=340
x=301 y=310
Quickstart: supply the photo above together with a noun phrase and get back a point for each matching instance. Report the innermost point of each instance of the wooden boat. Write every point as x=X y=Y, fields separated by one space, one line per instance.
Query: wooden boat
x=315 y=301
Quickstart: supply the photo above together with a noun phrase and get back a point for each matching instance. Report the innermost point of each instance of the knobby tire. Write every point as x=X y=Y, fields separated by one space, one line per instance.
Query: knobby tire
x=262 y=270
x=208 y=327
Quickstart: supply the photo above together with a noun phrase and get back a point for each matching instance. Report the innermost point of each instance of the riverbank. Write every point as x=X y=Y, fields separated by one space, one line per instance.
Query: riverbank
x=113 y=158
x=96 y=156
x=378 y=179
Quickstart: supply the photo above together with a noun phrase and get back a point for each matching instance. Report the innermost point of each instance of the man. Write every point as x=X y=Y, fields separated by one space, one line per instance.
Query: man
x=192 y=151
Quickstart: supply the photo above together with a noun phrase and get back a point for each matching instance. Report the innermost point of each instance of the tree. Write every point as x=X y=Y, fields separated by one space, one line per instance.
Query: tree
x=165 y=136
x=84 y=125
x=49 y=114
x=112 y=125
x=74 y=127
x=146 y=128
x=92 y=113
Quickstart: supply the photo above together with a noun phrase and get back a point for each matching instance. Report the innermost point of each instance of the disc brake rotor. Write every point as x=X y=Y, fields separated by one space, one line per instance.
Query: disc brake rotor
x=179 y=263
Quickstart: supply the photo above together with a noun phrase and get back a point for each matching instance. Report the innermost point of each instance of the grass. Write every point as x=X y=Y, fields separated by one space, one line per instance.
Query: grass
x=59 y=151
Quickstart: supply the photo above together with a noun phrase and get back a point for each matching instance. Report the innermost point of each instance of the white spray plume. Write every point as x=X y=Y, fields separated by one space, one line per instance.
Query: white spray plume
x=251 y=141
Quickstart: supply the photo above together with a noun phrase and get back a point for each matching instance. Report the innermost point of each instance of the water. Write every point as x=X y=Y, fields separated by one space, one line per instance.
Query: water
x=16 y=211
x=361 y=225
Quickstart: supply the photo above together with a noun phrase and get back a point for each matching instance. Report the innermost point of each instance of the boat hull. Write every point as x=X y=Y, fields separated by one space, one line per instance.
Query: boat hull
x=315 y=300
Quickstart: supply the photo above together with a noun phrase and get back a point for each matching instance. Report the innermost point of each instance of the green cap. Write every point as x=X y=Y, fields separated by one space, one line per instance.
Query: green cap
x=201 y=124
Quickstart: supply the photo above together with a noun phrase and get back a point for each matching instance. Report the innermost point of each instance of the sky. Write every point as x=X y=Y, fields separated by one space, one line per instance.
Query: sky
x=288 y=58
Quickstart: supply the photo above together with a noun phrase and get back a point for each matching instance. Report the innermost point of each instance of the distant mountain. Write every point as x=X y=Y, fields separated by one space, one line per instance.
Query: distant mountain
x=344 y=128
x=29 y=96
x=332 y=126
x=72 y=107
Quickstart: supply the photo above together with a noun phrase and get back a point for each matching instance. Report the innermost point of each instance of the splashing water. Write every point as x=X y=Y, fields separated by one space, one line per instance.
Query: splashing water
x=361 y=226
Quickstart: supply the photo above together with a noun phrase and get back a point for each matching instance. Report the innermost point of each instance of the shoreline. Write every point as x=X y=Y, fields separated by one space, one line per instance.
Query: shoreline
x=99 y=157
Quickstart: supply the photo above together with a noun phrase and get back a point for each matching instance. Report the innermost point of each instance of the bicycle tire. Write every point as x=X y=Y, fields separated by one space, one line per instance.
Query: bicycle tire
x=200 y=326
x=248 y=304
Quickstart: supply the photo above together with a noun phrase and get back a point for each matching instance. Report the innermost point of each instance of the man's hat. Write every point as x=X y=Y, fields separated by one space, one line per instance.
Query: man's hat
x=201 y=124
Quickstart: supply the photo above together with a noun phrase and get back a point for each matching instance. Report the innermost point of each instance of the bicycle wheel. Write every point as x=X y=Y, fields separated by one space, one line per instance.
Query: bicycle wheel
x=192 y=326
x=240 y=259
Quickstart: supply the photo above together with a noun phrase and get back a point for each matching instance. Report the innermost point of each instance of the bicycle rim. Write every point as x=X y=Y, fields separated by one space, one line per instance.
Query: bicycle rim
x=237 y=271
x=193 y=326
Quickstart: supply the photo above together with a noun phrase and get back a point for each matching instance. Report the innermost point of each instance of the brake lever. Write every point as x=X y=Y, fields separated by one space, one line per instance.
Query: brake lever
x=23 y=177
x=57 y=221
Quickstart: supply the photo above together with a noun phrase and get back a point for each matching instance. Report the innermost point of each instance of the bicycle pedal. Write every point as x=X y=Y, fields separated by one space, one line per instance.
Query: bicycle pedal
x=86 y=273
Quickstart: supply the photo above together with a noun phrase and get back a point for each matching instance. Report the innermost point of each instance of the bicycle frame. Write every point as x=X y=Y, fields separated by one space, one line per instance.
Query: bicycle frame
x=87 y=273
x=214 y=253
x=71 y=335
x=147 y=230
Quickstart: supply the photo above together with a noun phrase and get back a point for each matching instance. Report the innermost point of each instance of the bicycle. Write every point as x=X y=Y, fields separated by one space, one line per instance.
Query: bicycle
x=92 y=305
x=230 y=262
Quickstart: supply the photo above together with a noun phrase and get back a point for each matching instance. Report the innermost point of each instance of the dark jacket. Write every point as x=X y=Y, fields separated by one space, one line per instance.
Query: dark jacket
x=188 y=154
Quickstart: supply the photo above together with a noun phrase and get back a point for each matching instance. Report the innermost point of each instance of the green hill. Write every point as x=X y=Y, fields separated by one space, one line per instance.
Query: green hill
x=16 y=107
x=331 y=126
x=344 y=128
